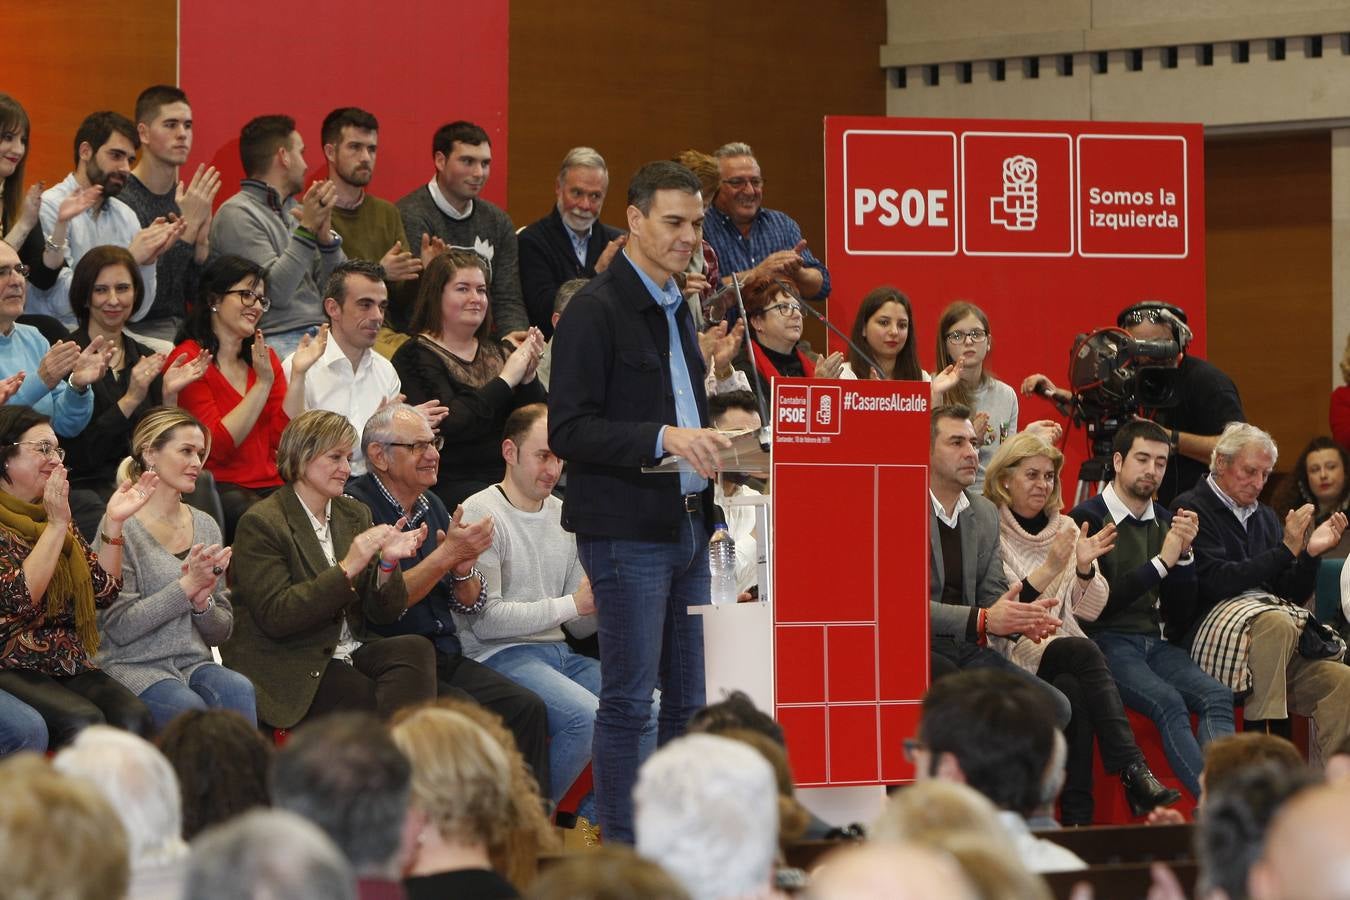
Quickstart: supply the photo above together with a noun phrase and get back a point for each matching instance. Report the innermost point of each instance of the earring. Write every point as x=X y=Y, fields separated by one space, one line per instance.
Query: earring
x=215 y=307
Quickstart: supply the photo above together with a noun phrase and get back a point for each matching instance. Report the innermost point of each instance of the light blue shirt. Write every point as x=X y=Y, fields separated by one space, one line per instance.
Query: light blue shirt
x=669 y=298
x=579 y=242
x=22 y=350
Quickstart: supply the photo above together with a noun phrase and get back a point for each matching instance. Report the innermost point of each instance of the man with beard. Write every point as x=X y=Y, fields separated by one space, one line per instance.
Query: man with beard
x=571 y=241
x=105 y=147
x=153 y=191
x=1153 y=587
x=260 y=224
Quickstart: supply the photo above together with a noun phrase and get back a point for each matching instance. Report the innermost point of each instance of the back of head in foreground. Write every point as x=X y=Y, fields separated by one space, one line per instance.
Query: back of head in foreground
x=997 y=729
x=612 y=872
x=1307 y=849
x=267 y=855
x=61 y=838
x=706 y=809
x=893 y=872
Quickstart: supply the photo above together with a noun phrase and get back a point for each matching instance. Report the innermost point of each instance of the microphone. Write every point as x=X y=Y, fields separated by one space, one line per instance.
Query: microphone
x=867 y=358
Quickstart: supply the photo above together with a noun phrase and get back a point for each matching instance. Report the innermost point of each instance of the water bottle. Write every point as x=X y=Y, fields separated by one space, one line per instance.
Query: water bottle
x=722 y=565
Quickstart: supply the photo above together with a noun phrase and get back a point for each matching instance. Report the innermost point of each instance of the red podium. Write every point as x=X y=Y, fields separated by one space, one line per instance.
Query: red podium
x=850 y=574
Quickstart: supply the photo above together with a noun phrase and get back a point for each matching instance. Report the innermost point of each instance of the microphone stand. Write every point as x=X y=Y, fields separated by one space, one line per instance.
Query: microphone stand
x=866 y=357
x=765 y=435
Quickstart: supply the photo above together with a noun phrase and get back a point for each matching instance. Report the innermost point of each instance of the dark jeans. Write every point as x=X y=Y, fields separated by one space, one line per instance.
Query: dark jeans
x=950 y=655
x=643 y=591
x=521 y=709
x=384 y=676
x=1076 y=666
x=70 y=703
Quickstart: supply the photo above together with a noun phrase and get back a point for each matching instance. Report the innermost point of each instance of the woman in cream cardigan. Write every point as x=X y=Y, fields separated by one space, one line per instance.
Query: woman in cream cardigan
x=1046 y=552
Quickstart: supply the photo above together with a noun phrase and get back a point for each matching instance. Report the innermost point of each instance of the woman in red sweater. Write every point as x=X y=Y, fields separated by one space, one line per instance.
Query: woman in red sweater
x=243 y=399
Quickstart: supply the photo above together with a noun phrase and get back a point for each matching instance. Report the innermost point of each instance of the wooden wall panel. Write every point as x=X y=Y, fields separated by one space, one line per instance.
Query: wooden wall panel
x=68 y=60
x=642 y=81
x=1268 y=262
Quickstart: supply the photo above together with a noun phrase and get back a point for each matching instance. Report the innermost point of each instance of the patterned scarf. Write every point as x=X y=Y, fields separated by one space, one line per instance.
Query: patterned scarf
x=71 y=581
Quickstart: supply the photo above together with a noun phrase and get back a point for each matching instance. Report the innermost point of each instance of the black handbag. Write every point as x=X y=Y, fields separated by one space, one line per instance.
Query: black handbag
x=1319 y=641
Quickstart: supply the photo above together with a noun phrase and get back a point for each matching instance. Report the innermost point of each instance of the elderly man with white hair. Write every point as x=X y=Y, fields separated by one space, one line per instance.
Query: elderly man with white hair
x=140 y=784
x=267 y=855
x=1249 y=628
x=706 y=810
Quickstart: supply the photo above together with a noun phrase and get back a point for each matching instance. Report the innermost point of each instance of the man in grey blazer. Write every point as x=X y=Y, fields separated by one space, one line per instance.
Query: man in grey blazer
x=968 y=593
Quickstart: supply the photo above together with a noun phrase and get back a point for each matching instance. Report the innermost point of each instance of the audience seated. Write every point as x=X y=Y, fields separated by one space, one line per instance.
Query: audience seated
x=52 y=584
x=706 y=808
x=884 y=330
x=21 y=727
x=441 y=576
x=244 y=399
x=451 y=211
x=105 y=147
x=1232 y=831
x=964 y=340
x=460 y=808
x=611 y=872
x=143 y=790
x=994 y=732
x=1229 y=755
x=535 y=589
x=793 y=818
x=174 y=605
x=454 y=360
x=267 y=853
x=317 y=571
x=260 y=224
x=345 y=774
x=566 y=291
x=105 y=291
x=1253 y=573
x=571 y=241
x=1151 y=575
x=774 y=309
x=52 y=379
x=154 y=191
x=1319 y=477
x=222 y=761
x=752 y=241
x=1045 y=552
x=704 y=274
x=929 y=811
x=62 y=838
x=901 y=872
x=968 y=594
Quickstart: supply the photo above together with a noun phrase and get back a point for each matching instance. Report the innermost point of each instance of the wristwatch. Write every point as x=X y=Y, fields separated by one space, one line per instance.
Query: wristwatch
x=79 y=389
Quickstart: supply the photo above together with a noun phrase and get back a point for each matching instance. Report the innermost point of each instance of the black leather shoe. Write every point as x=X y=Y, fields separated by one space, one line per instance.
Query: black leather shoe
x=1144 y=791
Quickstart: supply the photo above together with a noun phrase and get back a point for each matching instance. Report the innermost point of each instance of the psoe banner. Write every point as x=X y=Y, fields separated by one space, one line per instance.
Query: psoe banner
x=1050 y=227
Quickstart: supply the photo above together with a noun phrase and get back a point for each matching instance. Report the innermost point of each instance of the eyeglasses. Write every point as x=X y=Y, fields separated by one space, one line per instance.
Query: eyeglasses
x=251 y=298
x=976 y=335
x=46 y=449
x=786 y=310
x=419 y=447
x=912 y=746
x=740 y=182
x=6 y=271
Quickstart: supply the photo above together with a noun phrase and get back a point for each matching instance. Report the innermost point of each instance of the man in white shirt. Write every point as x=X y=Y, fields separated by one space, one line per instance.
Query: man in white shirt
x=351 y=379
x=105 y=148
x=535 y=588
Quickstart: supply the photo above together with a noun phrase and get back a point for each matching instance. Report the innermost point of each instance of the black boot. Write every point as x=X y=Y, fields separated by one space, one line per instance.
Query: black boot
x=1144 y=791
x=1279 y=727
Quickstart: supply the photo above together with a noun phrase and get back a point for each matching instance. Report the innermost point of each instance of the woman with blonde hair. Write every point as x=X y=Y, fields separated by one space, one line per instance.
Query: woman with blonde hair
x=174 y=606
x=460 y=806
x=1055 y=564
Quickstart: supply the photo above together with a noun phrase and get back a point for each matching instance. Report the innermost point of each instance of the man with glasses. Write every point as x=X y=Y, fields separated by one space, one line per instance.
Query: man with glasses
x=52 y=380
x=402 y=461
x=293 y=240
x=351 y=379
x=1206 y=398
x=752 y=241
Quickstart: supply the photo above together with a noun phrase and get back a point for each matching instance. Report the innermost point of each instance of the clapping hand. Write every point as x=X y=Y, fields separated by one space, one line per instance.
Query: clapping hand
x=143 y=375
x=830 y=366
x=129 y=497
x=91 y=362
x=309 y=352
x=1089 y=549
x=182 y=372
x=1327 y=535
x=206 y=563
x=400 y=264
x=1035 y=620
x=10 y=386
x=78 y=201
x=398 y=544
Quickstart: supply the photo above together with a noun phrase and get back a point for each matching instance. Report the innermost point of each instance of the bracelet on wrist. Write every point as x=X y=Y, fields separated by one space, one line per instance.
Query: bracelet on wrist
x=110 y=540
x=1087 y=576
x=472 y=573
x=388 y=566
x=210 y=602
x=55 y=247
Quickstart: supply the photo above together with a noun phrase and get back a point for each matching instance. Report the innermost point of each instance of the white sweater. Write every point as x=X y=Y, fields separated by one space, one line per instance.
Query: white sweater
x=531 y=570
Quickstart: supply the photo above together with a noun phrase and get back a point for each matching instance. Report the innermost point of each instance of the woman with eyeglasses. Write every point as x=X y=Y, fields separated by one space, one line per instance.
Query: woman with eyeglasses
x=964 y=340
x=174 y=607
x=19 y=224
x=243 y=399
x=52 y=584
x=774 y=309
x=105 y=290
x=453 y=359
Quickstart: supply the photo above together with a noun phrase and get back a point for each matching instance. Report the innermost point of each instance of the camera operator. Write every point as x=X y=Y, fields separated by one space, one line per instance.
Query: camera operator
x=1206 y=398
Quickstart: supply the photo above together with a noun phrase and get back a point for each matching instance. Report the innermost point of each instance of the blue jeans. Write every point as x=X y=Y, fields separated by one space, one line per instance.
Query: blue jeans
x=569 y=685
x=1160 y=680
x=21 y=727
x=643 y=591
x=210 y=686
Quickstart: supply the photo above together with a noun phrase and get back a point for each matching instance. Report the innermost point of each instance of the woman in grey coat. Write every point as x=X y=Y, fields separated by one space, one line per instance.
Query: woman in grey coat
x=174 y=607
